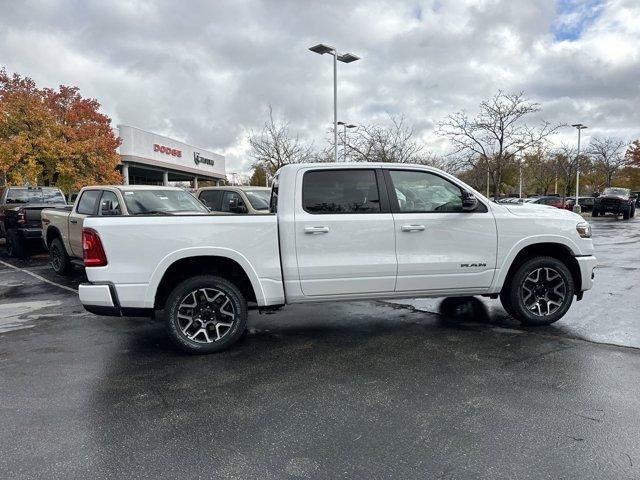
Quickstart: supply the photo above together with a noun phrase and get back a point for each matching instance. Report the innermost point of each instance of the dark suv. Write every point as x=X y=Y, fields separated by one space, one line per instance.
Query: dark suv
x=20 y=214
x=619 y=201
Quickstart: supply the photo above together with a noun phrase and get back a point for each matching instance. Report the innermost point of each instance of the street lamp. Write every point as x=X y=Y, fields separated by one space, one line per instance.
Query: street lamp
x=345 y=58
x=520 y=148
x=344 y=143
x=576 y=206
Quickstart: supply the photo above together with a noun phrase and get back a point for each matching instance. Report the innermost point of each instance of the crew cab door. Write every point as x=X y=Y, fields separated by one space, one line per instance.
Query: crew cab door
x=439 y=246
x=86 y=205
x=344 y=232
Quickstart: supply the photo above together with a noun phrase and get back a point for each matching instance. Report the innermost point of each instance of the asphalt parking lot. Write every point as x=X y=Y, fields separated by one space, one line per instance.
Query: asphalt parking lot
x=353 y=390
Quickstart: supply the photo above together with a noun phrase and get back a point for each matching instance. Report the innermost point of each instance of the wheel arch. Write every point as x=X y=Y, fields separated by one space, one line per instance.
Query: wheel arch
x=557 y=250
x=52 y=233
x=182 y=265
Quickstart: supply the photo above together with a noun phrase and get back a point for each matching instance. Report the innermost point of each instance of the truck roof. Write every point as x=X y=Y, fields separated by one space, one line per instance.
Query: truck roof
x=237 y=187
x=136 y=187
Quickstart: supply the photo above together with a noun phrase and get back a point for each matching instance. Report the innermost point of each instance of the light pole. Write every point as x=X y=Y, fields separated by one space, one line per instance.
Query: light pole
x=520 y=148
x=321 y=48
x=344 y=143
x=576 y=206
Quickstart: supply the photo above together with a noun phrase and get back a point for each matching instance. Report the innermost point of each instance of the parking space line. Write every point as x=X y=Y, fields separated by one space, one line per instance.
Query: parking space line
x=35 y=275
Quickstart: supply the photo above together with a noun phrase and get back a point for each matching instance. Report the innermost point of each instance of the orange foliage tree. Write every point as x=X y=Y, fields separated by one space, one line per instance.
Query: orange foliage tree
x=53 y=137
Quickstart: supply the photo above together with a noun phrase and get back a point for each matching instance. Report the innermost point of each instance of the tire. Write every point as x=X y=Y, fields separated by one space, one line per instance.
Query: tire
x=525 y=292
x=594 y=213
x=633 y=211
x=60 y=261
x=625 y=213
x=208 y=306
x=16 y=245
x=506 y=303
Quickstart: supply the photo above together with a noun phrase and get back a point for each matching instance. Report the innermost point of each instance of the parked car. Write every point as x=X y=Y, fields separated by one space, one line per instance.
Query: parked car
x=586 y=203
x=619 y=201
x=637 y=194
x=62 y=228
x=336 y=232
x=550 y=200
x=232 y=199
x=20 y=215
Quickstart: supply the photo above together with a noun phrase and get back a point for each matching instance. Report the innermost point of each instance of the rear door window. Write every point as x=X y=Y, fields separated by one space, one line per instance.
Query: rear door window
x=340 y=191
x=228 y=197
x=211 y=198
x=109 y=204
x=88 y=203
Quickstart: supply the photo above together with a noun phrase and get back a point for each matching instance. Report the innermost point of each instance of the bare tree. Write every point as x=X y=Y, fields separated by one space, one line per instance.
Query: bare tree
x=274 y=147
x=492 y=138
x=375 y=143
x=608 y=156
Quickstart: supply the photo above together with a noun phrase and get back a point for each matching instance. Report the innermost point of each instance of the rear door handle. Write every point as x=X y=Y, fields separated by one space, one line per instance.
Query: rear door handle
x=316 y=230
x=413 y=228
x=73 y=221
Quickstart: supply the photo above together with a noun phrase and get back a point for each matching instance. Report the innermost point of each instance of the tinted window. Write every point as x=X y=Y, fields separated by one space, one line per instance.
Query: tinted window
x=211 y=198
x=425 y=192
x=109 y=204
x=34 y=195
x=88 y=202
x=340 y=191
x=228 y=197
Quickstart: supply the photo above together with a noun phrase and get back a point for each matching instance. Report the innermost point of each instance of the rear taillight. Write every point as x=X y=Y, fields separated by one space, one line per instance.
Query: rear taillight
x=22 y=217
x=92 y=251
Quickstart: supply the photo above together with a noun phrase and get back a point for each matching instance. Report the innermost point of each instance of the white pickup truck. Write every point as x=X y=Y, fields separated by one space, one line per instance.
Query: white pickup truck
x=336 y=232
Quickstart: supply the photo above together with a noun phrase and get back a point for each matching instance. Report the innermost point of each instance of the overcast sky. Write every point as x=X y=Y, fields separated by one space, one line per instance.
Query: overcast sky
x=206 y=71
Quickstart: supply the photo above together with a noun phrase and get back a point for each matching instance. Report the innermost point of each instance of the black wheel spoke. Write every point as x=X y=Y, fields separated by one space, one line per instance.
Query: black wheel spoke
x=206 y=315
x=543 y=291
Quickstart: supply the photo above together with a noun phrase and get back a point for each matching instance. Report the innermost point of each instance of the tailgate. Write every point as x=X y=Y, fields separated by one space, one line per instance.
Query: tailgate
x=32 y=216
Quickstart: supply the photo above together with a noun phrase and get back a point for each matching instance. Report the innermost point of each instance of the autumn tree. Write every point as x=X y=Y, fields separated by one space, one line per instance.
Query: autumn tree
x=633 y=153
x=275 y=147
x=491 y=139
x=54 y=137
x=607 y=156
x=539 y=171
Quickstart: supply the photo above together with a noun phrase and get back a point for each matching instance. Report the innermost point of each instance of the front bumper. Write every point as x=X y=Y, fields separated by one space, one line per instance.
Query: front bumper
x=102 y=299
x=587 y=266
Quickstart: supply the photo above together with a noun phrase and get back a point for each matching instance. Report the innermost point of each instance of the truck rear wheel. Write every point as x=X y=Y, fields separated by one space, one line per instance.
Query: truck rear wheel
x=16 y=246
x=59 y=259
x=540 y=291
x=205 y=314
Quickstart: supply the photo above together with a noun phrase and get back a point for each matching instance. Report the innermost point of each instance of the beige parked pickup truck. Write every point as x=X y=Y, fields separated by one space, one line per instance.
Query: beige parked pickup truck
x=62 y=228
x=232 y=199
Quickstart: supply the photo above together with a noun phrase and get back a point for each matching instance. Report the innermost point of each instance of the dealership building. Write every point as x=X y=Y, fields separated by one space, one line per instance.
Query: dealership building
x=150 y=159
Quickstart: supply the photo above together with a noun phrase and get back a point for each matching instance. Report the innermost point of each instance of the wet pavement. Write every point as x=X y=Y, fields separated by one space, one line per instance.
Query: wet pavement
x=351 y=390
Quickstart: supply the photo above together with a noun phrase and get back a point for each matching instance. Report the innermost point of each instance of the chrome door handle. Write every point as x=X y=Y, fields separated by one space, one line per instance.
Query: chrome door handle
x=413 y=228
x=316 y=230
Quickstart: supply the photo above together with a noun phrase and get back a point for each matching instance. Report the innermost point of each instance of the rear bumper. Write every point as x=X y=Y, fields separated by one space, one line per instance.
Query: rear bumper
x=102 y=299
x=587 y=266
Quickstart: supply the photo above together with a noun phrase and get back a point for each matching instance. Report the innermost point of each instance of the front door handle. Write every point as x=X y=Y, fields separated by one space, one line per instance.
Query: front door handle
x=316 y=230
x=73 y=221
x=413 y=228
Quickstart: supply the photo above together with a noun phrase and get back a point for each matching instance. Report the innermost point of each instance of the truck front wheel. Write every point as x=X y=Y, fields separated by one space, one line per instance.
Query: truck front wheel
x=59 y=259
x=205 y=314
x=626 y=213
x=540 y=291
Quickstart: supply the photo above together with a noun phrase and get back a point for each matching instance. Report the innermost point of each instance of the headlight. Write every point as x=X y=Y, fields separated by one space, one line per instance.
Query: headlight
x=584 y=229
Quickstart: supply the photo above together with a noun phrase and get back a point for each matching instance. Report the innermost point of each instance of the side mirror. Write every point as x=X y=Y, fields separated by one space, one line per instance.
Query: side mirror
x=469 y=201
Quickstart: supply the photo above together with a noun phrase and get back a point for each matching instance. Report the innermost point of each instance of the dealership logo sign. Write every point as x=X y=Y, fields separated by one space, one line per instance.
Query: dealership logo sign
x=167 y=150
x=198 y=159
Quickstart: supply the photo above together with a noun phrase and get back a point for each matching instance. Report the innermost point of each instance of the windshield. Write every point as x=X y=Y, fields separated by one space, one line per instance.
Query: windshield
x=140 y=202
x=616 y=191
x=35 y=195
x=259 y=199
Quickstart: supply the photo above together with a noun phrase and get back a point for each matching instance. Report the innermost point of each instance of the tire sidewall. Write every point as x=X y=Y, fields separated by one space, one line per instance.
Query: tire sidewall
x=56 y=245
x=515 y=291
x=205 y=281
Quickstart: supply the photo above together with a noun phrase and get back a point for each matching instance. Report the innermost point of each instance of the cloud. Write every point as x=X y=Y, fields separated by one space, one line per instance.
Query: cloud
x=204 y=72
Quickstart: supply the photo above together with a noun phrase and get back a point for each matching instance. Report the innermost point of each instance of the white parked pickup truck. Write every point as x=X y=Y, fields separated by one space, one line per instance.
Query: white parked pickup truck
x=336 y=232
x=62 y=227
